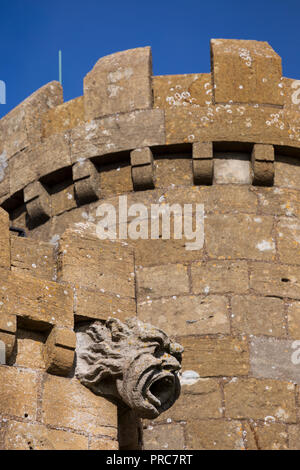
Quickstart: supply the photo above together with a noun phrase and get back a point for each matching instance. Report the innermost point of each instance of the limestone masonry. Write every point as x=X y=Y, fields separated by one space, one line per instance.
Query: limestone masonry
x=229 y=140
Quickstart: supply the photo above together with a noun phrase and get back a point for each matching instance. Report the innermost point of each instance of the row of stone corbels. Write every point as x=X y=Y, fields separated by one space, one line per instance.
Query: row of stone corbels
x=262 y=164
x=86 y=186
x=87 y=181
x=61 y=341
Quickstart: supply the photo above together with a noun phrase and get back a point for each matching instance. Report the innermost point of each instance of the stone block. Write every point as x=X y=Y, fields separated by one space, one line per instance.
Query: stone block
x=187 y=315
x=166 y=436
x=188 y=90
x=253 y=315
x=144 y=128
x=262 y=160
x=232 y=169
x=96 y=264
x=87 y=181
x=215 y=357
x=219 y=277
x=241 y=236
x=260 y=399
x=63 y=117
x=38 y=202
x=119 y=83
x=4 y=240
x=38 y=303
x=59 y=351
x=28 y=436
x=156 y=282
x=275 y=359
x=214 y=435
x=203 y=165
x=99 y=306
x=278 y=280
x=288 y=240
x=12 y=402
x=62 y=396
x=245 y=72
x=33 y=257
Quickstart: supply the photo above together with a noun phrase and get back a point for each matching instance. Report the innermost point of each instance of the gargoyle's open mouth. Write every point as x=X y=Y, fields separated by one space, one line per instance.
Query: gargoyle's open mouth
x=162 y=390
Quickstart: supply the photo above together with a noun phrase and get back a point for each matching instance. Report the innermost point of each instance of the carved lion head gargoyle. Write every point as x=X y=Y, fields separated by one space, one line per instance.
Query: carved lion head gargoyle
x=132 y=363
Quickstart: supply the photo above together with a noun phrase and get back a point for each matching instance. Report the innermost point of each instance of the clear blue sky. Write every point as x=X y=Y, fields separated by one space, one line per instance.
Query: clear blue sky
x=32 y=32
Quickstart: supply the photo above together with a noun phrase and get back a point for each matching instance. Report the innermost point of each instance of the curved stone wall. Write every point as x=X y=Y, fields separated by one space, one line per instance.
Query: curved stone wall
x=229 y=140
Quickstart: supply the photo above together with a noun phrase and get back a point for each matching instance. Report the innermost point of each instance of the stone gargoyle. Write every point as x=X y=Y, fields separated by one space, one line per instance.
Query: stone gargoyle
x=131 y=363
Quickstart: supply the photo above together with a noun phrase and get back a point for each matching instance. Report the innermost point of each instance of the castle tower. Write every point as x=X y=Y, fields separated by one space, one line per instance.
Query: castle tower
x=227 y=141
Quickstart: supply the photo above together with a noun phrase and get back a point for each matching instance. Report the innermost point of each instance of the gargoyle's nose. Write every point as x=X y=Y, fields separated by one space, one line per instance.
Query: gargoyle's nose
x=170 y=362
x=176 y=348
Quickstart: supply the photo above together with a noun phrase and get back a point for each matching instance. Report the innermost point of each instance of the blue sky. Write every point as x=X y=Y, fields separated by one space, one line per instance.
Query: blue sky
x=32 y=32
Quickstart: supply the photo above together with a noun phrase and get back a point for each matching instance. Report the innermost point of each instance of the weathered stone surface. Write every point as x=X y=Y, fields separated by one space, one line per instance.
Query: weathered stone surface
x=128 y=131
x=12 y=402
x=116 y=179
x=171 y=172
x=119 y=83
x=232 y=123
x=188 y=90
x=96 y=305
x=220 y=277
x=34 y=258
x=59 y=352
x=294 y=437
x=266 y=436
x=258 y=316
x=40 y=303
x=215 y=435
x=32 y=163
x=98 y=443
x=215 y=357
x=63 y=117
x=97 y=264
x=166 y=251
x=293 y=314
x=30 y=349
x=232 y=168
x=242 y=236
x=275 y=359
x=148 y=383
x=187 y=315
x=260 y=399
x=141 y=156
x=87 y=181
x=62 y=199
x=155 y=282
x=203 y=165
x=66 y=403
x=279 y=201
x=23 y=125
x=38 y=202
x=204 y=398
x=262 y=160
x=279 y=280
x=288 y=239
x=245 y=72
x=287 y=172
x=142 y=177
x=166 y=437
x=4 y=240
x=27 y=436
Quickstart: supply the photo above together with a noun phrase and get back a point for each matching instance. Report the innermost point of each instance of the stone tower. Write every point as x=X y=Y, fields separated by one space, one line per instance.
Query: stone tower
x=228 y=140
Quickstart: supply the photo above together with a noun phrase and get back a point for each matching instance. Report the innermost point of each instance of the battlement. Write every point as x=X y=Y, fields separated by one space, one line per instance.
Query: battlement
x=47 y=146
